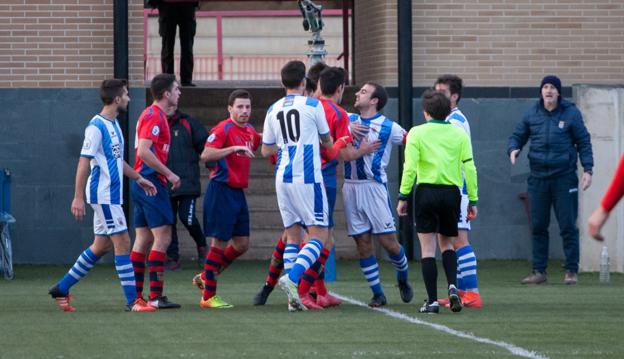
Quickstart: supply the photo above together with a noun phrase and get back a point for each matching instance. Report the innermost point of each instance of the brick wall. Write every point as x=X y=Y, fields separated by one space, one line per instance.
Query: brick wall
x=496 y=42
x=64 y=43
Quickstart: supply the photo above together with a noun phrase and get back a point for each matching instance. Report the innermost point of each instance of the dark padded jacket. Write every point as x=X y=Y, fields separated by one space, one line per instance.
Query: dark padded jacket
x=188 y=137
x=558 y=139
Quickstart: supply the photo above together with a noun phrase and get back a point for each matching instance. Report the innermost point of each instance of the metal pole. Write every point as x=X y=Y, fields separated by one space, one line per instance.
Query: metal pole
x=406 y=225
x=345 y=37
x=120 y=71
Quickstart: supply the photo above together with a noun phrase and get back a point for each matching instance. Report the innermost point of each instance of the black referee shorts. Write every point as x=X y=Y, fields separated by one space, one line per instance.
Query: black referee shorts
x=437 y=209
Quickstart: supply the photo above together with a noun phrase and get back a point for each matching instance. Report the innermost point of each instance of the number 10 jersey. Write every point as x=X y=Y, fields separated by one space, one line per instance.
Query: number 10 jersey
x=294 y=124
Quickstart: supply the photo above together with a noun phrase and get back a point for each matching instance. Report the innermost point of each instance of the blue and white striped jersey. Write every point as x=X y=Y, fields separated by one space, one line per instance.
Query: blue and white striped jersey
x=104 y=145
x=457 y=118
x=373 y=166
x=294 y=123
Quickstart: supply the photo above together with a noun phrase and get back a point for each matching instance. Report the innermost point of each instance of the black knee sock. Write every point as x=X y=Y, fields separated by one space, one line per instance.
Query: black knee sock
x=430 y=276
x=449 y=261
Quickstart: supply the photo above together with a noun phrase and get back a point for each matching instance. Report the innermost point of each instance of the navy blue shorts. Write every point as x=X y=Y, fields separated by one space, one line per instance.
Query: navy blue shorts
x=331 y=202
x=225 y=212
x=151 y=211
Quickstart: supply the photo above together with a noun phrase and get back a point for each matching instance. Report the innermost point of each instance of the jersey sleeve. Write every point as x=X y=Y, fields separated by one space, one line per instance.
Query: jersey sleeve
x=257 y=138
x=150 y=128
x=216 y=138
x=321 y=121
x=342 y=126
x=410 y=166
x=268 y=135
x=616 y=188
x=398 y=134
x=92 y=141
x=470 y=171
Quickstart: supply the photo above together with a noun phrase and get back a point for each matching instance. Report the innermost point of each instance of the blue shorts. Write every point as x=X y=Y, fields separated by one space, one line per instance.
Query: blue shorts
x=225 y=212
x=331 y=202
x=151 y=211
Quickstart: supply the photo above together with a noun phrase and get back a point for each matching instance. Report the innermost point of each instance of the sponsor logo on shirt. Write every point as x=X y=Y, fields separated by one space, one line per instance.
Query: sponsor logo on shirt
x=155 y=130
x=116 y=149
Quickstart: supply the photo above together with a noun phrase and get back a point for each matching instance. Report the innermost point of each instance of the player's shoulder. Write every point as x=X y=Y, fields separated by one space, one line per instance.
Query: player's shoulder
x=353 y=117
x=457 y=115
x=223 y=126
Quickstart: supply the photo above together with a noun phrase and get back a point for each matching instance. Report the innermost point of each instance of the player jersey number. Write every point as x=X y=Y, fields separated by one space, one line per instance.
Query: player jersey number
x=289 y=125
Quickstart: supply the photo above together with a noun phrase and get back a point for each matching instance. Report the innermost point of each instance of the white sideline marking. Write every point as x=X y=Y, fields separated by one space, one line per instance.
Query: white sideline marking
x=510 y=347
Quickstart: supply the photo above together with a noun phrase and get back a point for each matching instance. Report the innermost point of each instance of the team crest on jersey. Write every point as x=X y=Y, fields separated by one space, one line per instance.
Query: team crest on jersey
x=561 y=124
x=86 y=145
x=212 y=138
x=155 y=131
x=116 y=149
x=113 y=134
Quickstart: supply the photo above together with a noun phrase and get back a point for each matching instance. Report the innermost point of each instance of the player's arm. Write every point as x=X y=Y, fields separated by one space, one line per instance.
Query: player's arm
x=211 y=154
x=470 y=173
x=150 y=159
x=269 y=140
x=351 y=153
x=268 y=150
x=408 y=178
x=78 y=203
x=146 y=184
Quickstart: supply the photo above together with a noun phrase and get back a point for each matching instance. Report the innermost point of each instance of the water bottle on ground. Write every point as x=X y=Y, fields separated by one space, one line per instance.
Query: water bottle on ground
x=604 y=265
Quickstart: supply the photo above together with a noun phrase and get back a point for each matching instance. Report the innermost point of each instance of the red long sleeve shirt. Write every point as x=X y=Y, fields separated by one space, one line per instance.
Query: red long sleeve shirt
x=616 y=188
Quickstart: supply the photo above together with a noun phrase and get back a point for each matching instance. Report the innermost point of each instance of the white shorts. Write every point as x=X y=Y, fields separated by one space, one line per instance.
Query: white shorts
x=463 y=214
x=367 y=208
x=304 y=204
x=108 y=219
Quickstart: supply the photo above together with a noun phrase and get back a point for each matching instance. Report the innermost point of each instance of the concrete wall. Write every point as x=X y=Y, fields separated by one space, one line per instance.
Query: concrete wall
x=603 y=111
x=40 y=140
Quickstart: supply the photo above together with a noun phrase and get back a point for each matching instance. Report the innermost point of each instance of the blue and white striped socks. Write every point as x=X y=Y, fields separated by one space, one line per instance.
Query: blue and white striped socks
x=467 y=269
x=83 y=265
x=399 y=262
x=306 y=257
x=290 y=256
x=123 y=265
x=370 y=269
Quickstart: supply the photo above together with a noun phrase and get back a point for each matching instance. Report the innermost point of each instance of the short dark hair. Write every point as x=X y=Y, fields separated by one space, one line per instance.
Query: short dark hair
x=314 y=73
x=292 y=74
x=109 y=89
x=454 y=82
x=331 y=78
x=436 y=104
x=160 y=84
x=240 y=93
x=380 y=94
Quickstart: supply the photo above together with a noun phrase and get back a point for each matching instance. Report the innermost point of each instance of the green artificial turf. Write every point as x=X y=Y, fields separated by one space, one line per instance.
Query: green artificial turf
x=552 y=320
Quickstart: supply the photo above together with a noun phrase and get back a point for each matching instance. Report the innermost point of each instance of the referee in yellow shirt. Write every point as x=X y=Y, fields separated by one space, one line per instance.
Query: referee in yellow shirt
x=435 y=154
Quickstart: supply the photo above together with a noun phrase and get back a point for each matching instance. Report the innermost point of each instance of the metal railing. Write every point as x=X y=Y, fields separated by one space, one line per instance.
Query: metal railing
x=222 y=67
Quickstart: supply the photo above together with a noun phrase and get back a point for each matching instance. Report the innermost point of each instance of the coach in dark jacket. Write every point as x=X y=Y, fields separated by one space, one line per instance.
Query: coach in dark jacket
x=558 y=138
x=188 y=137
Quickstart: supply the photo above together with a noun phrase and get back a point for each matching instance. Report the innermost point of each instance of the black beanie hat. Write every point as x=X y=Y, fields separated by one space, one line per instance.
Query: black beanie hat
x=553 y=80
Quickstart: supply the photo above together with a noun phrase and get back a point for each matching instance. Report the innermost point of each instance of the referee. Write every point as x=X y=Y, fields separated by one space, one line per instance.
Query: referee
x=435 y=154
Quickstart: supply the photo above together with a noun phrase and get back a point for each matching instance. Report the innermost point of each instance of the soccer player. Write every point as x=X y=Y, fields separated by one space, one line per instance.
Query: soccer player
x=451 y=87
x=101 y=159
x=331 y=89
x=153 y=216
x=435 y=154
x=226 y=216
x=365 y=193
x=295 y=128
x=276 y=263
